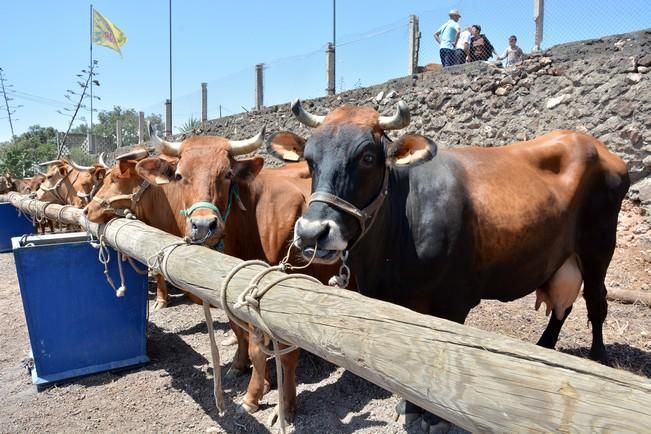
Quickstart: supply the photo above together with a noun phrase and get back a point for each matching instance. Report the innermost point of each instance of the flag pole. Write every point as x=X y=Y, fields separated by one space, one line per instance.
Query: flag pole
x=90 y=131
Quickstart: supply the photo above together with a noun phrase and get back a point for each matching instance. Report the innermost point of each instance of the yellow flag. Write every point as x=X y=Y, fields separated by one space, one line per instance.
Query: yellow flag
x=106 y=33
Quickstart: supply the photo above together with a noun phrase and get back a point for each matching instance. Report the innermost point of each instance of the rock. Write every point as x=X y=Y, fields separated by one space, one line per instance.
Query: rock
x=556 y=101
x=647 y=161
x=379 y=96
x=641 y=192
x=623 y=108
x=503 y=90
x=545 y=61
x=508 y=80
x=641 y=229
x=645 y=60
x=643 y=69
x=634 y=78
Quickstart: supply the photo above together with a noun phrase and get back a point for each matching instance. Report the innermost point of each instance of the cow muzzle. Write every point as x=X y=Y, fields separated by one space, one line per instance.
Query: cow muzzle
x=319 y=240
x=204 y=230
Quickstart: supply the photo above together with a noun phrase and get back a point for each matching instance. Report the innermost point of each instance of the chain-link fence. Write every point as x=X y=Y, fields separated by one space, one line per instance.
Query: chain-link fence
x=377 y=54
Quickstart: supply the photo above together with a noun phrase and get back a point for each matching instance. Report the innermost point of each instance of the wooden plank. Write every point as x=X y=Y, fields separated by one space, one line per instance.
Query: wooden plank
x=478 y=380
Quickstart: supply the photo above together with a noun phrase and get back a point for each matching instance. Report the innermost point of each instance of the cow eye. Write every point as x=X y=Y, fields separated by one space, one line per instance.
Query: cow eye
x=368 y=159
x=228 y=175
x=178 y=177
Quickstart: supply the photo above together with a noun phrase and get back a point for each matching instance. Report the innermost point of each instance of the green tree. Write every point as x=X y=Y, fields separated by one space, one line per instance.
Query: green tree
x=21 y=157
x=106 y=121
x=82 y=157
x=190 y=125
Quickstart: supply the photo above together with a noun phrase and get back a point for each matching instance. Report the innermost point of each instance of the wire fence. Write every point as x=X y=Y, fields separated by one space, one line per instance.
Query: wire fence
x=381 y=53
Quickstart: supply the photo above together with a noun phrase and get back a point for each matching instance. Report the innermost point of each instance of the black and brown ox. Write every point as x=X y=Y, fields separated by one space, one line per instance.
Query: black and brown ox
x=439 y=230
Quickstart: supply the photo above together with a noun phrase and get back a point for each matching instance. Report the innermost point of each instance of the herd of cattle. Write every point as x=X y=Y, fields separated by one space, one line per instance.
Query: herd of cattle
x=434 y=230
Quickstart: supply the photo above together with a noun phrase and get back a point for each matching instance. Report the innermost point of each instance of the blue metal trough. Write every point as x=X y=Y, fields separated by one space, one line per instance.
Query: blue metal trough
x=12 y=225
x=77 y=326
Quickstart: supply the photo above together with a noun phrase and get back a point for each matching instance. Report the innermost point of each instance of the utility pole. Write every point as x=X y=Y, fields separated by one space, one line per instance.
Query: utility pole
x=7 y=99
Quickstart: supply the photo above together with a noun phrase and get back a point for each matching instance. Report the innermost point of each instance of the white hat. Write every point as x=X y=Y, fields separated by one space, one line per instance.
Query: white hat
x=454 y=12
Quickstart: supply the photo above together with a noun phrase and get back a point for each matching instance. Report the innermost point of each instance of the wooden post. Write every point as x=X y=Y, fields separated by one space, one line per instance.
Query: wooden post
x=330 y=69
x=538 y=16
x=141 y=127
x=259 y=86
x=414 y=44
x=204 y=103
x=118 y=133
x=168 y=118
x=478 y=380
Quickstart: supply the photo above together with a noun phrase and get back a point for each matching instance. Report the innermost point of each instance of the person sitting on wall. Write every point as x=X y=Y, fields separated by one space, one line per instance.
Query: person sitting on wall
x=480 y=47
x=512 y=54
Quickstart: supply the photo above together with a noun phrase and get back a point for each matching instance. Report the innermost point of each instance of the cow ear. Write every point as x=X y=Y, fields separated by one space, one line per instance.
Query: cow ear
x=245 y=171
x=63 y=170
x=287 y=146
x=155 y=170
x=410 y=150
x=99 y=173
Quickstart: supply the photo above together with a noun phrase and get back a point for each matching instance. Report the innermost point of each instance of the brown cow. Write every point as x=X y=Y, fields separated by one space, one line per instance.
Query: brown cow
x=67 y=183
x=437 y=231
x=263 y=210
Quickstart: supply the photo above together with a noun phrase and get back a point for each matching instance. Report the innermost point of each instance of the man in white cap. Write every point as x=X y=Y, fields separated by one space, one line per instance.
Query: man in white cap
x=447 y=37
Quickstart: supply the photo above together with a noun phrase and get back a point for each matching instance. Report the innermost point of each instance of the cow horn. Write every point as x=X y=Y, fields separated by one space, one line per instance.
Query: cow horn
x=172 y=149
x=41 y=173
x=102 y=162
x=136 y=154
x=399 y=120
x=304 y=117
x=47 y=163
x=80 y=167
x=240 y=147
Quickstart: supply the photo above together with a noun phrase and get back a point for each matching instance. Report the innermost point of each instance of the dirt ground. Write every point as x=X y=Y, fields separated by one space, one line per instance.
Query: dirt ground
x=174 y=391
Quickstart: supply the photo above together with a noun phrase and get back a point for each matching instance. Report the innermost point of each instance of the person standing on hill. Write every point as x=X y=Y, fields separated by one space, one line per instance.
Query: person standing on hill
x=447 y=37
x=463 y=45
x=480 y=47
x=512 y=54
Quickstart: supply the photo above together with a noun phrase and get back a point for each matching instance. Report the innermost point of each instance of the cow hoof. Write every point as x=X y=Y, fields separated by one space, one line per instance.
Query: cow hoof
x=160 y=304
x=245 y=407
x=409 y=418
x=600 y=355
x=229 y=341
x=273 y=417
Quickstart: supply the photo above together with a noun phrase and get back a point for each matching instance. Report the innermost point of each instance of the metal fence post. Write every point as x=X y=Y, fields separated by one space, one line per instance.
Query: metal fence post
x=118 y=133
x=259 y=89
x=204 y=103
x=168 y=118
x=414 y=44
x=330 y=69
x=141 y=127
x=538 y=15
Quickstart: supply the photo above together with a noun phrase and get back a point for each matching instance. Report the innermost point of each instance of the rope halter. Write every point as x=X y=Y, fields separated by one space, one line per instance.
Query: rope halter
x=365 y=216
x=232 y=194
x=107 y=204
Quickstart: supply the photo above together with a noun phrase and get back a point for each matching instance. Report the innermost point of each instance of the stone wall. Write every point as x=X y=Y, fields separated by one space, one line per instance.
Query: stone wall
x=598 y=86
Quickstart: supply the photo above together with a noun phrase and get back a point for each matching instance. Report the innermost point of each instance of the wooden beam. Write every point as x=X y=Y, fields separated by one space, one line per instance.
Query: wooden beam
x=478 y=380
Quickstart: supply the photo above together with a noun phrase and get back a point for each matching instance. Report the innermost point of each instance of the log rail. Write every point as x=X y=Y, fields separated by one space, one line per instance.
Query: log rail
x=478 y=380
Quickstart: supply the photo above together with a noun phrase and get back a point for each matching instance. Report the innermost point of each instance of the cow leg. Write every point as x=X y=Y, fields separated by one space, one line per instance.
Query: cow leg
x=289 y=362
x=51 y=225
x=550 y=335
x=596 y=247
x=241 y=361
x=594 y=293
x=259 y=383
x=162 y=297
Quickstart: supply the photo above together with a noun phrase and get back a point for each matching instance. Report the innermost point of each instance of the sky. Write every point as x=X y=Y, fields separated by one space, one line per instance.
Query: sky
x=44 y=44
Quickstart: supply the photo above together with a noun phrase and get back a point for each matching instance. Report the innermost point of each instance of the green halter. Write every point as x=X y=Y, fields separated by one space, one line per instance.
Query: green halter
x=231 y=194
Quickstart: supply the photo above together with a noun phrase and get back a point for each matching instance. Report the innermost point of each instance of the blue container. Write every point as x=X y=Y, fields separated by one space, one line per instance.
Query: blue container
x=76 y=324
x=12 y=225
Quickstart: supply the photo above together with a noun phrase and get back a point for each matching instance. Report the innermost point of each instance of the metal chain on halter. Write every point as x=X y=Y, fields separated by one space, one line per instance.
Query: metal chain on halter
x=342 y=279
